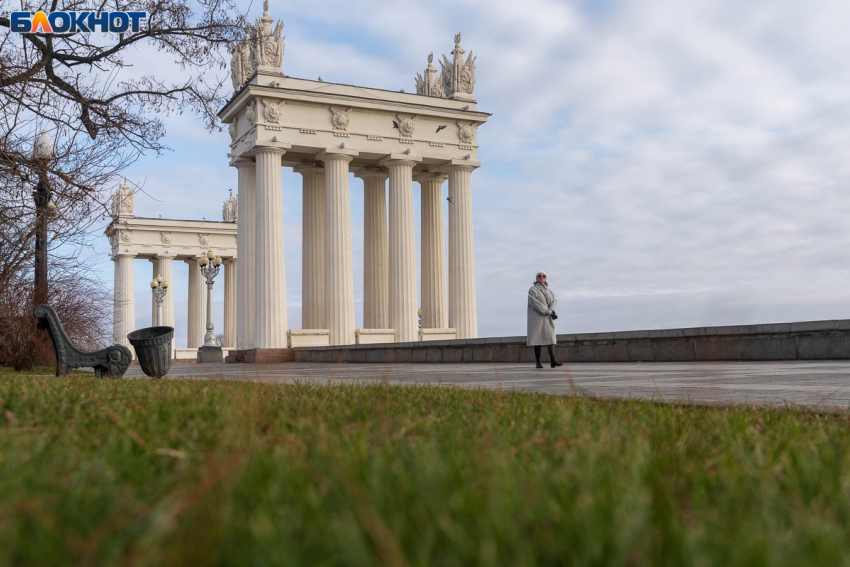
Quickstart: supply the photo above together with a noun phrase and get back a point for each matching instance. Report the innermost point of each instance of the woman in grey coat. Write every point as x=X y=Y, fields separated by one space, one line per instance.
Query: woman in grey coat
x=541 y=319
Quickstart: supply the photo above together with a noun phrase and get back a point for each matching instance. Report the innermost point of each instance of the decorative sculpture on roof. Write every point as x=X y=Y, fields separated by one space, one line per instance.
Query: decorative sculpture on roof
x=267 y=45
x=241 y=67
x=459 y=75
x=261 y=48
x=229 y=211
x=430 y=84
x=123 y=201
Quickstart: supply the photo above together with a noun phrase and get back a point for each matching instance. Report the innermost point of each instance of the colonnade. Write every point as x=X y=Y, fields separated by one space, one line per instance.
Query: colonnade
x=389 y=286
x=124 y=314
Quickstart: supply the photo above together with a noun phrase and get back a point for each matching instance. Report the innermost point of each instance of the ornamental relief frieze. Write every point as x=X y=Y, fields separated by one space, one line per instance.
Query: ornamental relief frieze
x=272 y=110
x=406 y=124
x=340 y=117
x=409 y=127
x=466 y=133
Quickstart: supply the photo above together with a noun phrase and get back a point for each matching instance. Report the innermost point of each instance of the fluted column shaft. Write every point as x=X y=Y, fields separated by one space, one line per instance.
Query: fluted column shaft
x=230 y=302
x=270 y=274
x=433 y=271
x=196 y=316
x=245 y=251
x=154 y=272
x=375 y=249
x=339 y=276
x=165 y=265
x=402 y=251
x=313 y=246
x=463 y=311
x=124 y=308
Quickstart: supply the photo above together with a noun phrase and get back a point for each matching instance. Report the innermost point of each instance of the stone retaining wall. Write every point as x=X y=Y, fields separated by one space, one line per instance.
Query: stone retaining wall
x=811 y=340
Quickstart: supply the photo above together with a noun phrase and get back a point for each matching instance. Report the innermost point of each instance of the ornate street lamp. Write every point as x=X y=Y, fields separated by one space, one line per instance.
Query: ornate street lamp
x=210 y=266
x=43 y=152
x=159 y=287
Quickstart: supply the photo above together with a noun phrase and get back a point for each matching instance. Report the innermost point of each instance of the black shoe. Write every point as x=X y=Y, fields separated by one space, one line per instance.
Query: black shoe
x=539 y=365
x=556 y=363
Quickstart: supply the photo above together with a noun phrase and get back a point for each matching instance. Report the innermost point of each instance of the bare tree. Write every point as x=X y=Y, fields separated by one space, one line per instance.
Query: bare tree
x=103 y=115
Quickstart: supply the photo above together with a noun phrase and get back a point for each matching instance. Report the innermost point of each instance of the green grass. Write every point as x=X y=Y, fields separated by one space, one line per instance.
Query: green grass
x=195 y=473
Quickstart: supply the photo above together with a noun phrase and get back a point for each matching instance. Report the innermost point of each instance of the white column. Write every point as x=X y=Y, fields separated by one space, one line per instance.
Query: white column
x=433 y=271
x=230 y=302
x=270 y=274
x=402 y=251
x=375 y=249
x=312 y=245
x=166 y=265
x=124 y=308
x=463 y=311
x=197 y=305
x=339 y=275
x=154 y=272
x=245 y=251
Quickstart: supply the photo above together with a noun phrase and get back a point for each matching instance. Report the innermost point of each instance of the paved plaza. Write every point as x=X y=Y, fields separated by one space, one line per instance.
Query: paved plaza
x=823 y=384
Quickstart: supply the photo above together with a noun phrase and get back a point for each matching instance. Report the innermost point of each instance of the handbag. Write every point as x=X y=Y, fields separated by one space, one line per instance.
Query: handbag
x=553 y=315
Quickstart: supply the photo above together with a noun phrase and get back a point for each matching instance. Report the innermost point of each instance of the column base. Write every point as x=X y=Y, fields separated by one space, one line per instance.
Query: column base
x=209 y=354
x=268 y=355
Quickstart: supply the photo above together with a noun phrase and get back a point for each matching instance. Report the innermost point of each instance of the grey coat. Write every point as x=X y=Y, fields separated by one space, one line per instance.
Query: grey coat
x=541 y=327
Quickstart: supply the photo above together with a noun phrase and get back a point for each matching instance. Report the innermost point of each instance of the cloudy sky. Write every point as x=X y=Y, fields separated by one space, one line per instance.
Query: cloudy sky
x=667 y=163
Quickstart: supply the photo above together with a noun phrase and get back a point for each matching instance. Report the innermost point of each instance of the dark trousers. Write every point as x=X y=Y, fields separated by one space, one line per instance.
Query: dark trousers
x=550 y=348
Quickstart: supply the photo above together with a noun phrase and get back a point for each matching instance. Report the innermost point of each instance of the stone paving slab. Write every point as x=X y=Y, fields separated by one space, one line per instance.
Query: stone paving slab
x=822 y=384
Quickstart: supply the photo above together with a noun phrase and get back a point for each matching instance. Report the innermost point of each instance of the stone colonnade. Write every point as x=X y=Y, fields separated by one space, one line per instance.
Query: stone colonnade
x=389 y=287
x=124 y=316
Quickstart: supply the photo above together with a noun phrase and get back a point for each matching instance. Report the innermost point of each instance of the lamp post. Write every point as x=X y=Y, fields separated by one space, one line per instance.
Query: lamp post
x=210 y=265
x=43 y=152
x=159 y=287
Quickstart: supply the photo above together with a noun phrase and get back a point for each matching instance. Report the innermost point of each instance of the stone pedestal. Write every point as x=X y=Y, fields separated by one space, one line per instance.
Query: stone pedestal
x=269 y=355
x=210 y=354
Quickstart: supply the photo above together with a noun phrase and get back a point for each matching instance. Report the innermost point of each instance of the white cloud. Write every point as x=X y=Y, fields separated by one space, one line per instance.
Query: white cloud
x=666 y=163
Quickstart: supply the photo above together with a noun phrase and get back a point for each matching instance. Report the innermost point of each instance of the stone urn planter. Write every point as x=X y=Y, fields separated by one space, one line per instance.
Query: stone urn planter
x=153 y=349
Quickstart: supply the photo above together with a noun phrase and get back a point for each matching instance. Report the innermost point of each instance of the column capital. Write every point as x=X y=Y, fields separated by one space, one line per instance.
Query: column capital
x=337 y=153
x=272 y=146
x=429 y=176
x=228 y=261
x=462 y=164
x=400 y=159
x=117 y=255
x=166 y=256
x=371 y=172
x=309 y=167
x=240 y=162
